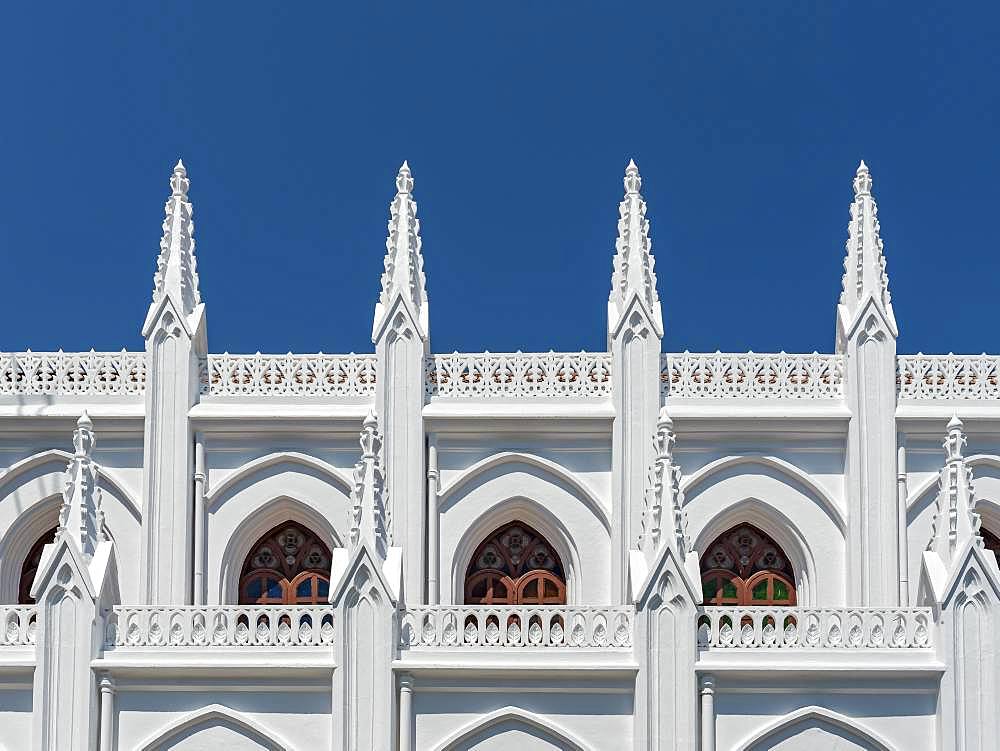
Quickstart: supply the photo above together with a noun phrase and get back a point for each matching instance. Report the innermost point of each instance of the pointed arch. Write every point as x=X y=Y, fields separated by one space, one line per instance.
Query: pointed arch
x=817 y=714
x=518 y=716
x=216 y=713
x=792 y=473
x=256 y=525
x=247 y=470
x=775 y=525
x=547 y=466
x=107 y=477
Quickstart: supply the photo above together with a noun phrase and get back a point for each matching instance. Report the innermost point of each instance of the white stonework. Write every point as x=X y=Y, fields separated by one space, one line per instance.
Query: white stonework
x=406 y=550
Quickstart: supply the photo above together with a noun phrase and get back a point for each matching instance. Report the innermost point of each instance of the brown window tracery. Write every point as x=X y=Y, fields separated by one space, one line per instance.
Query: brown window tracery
x=288 y=566
x=30 y=568
x=991 y=542
x=515 y=566
x=744 y=566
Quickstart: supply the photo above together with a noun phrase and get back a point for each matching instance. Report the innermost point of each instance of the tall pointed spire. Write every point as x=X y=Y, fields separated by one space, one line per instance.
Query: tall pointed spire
x=404 y=263
x=176 y=267
x=369 y=521
x=865 y=274
x=663 y=495
x=633 y=265
x=81 y=517
x=955 y=521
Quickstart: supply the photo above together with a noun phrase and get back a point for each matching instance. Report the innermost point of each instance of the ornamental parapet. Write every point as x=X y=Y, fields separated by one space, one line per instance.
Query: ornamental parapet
x=791 y=628
x=338 y=376
x=70 y=373
x=692 y=375
x=518 y=375
x=20 y=624
x=514 y=627
x=223 y=626
x=948 y=376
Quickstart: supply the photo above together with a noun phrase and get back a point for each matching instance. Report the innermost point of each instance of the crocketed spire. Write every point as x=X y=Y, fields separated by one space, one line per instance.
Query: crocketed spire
x=864 y=264
x=955 y=521
x=663 y=494
x=176 y=267
x=368 y=510
x=81 y=517
x=404 y=263
x=633 y=264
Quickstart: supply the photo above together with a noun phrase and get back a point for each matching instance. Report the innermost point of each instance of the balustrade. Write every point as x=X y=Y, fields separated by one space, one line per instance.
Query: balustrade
x=20 y=622
x=518 y=375
x=820 y=628
x=511 y=626
x=225 y=626
x=752 y=376
x=60 y=373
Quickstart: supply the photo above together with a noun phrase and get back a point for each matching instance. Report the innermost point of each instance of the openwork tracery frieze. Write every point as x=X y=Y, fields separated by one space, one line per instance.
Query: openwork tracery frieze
x=294 y=375
x=58 y=373
x=948 y=376
x=518 y=374
x=752 y=376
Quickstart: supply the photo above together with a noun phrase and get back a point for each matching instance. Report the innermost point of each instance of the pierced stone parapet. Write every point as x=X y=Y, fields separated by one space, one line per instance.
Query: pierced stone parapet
x=819 y=628
x=489 y=375
x=514 y=626
x=19 y=624
x=225 y=626
x=752 y=376
x=288 y=375
x=61 y=373
x=948 y=376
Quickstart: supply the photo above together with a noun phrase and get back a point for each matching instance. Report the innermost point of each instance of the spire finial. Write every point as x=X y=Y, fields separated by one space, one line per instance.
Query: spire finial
x=404 y=181
x=176 y=267
x=85 y=421
x=370 y=519
x=955 y=519
x=862 y=180
x=81 y=517
x=663 y=496
x=633 y=264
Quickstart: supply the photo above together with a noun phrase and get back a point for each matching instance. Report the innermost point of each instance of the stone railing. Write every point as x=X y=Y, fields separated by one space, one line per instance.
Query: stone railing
x=288 y=375
x=510 y=626
x=225 y=626
x=821 y=628
x=752 y=376
x=59 y=373
x=488 y=375
x=19 y=624
x=948 y=376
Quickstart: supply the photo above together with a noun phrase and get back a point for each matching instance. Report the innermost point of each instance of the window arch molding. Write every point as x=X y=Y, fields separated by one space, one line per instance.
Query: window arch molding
x=527 y=512
x=18 y=541
x=819 y=714
x=776 y=526
x=212 y=714
x=255 y=526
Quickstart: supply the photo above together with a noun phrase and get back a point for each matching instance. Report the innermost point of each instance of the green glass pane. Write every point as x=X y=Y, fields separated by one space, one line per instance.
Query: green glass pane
x=780 y=590
x=759 y=590
x=729 y=589
x=708 y=589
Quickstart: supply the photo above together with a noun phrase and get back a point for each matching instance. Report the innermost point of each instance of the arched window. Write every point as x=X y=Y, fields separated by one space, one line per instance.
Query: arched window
x=30 y=568
x=287 y=566
x=746 y=567
x=515 y=566
x=991 y=542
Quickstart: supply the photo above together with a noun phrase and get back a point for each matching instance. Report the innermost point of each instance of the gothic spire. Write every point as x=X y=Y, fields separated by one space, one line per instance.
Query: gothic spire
x=633 y=264
x=955 y=521
x=176 y=267
x=404 y=263
x=865 y=274
x=368 y=504
x=81 y=517
x=663 y=494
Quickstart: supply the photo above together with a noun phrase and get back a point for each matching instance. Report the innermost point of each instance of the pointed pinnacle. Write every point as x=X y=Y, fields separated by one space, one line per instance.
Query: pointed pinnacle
x=179 y=167
x=633 y=182
x=631 y=166
x=862 y=167
x=179 y=182
x=663 y=420
x=862 y=180
x=404 y=180
x=84 y=421
x=955 y=423
x=370 y=421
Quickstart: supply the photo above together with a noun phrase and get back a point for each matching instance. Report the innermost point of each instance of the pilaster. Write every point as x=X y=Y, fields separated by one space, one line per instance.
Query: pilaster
x=175 y=334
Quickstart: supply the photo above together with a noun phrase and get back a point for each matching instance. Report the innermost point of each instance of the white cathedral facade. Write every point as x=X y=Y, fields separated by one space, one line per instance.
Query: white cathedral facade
x=414 y=551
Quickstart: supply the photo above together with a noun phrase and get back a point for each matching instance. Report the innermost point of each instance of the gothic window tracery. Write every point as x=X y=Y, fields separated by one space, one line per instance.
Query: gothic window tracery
x=744 y=566
x=30 y=568
x=991 y=542
x=287 y=566
x=515 y=566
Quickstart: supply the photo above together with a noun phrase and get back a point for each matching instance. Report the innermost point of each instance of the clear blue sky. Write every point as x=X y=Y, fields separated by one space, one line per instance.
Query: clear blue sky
x=747 y=122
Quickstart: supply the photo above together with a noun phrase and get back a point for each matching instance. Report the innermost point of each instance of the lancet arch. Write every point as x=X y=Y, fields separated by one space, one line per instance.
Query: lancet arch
x=508 y=489
x=215 y=725
x=810 y=726
x=526 y=730
x=515 y=565
x=745 y=566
